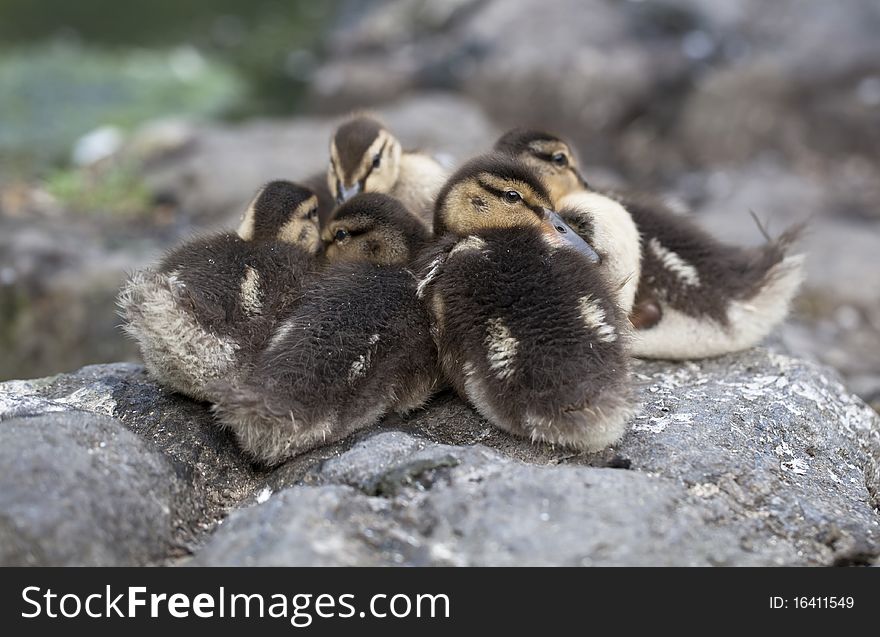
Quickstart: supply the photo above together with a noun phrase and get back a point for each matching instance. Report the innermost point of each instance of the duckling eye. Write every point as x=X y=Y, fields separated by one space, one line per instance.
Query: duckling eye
x=377 y=160
x=313 y=213
x=559 y=159
x=512 y=196
x=340 y=235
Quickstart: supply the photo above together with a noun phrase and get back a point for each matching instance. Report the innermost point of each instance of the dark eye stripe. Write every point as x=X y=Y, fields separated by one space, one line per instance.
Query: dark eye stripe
x=539 y=210
x=495 y=191
x=370 y=169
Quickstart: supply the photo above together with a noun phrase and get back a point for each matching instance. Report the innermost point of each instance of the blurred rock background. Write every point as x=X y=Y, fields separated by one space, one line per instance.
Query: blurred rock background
x=124 y=128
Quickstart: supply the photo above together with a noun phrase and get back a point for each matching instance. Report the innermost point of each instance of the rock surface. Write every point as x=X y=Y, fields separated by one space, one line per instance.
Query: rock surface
x=80 y=489
x=756 y=458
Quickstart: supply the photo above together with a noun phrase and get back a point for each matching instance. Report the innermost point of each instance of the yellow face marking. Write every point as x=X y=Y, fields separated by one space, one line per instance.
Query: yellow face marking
x=528 y=194
x=307 y=208
x=560 y=180
x=360 y=239
x=481 y=202
x=380 y=178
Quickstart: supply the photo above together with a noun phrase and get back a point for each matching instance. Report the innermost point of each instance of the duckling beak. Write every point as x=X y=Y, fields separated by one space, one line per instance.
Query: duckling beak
x=343 y=194
x=562 y=232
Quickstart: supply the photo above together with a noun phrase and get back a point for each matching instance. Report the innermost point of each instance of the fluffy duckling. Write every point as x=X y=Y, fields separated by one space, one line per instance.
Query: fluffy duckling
x=357 y=347
x=373 y=228
x=528 y=326
x=366 y=157
x=210 y=304
x=696 y=296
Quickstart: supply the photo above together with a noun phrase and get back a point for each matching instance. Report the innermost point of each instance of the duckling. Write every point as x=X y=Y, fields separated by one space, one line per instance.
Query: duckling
x=696 y=297
x=527 y=324
x=374 y=228
x=366 y=157
x=210 y=304
x=357 y=347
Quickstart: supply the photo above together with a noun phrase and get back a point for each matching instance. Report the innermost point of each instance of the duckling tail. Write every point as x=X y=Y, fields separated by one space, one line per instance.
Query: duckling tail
x=752 y=318
x=590 y=427
x=268 y=424
x=177 y=351
x=768 y=280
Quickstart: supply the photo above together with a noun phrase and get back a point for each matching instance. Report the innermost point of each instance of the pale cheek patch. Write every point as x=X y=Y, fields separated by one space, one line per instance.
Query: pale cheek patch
x=250 y=294
x=593 y=316
x=682 y=269
x=501 y=348
x=471 y=243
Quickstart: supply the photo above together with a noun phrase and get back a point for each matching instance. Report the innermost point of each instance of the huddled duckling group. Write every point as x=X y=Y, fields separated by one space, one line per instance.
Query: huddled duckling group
x=511 y=280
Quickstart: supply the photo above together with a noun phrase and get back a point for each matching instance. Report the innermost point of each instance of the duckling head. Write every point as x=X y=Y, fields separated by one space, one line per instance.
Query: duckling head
x=283 y=211
x=499 y=191
x=375 y=228
x=364 y=157
x=549 y=156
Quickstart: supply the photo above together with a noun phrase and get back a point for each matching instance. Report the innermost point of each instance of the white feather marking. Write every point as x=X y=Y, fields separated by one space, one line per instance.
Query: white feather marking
x=679 y=336
x=432 y=273
x=358 y=368
x=685 y=271
x=594 y=319
x=279 y=335
x=251 y=294
x=501 y=348
x=361 y=365
x=472 y=242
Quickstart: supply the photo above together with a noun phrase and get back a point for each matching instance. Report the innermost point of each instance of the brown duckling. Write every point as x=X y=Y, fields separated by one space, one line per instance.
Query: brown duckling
x=356 y=347
x=211 y=303
x=696 y=296
x=528 y=325
x=366 y=157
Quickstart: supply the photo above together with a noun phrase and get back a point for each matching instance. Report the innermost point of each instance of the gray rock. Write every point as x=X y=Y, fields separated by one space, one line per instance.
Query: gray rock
x=583 y=68
x=746 y=460
x=79 y=489
x=209 y=473
x=58 y=283
x=756 y=458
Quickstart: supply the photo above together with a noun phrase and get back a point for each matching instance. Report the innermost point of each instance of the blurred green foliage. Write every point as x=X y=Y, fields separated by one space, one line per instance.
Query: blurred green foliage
x=51 y=95
x=116 y=189
x=69 y=67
